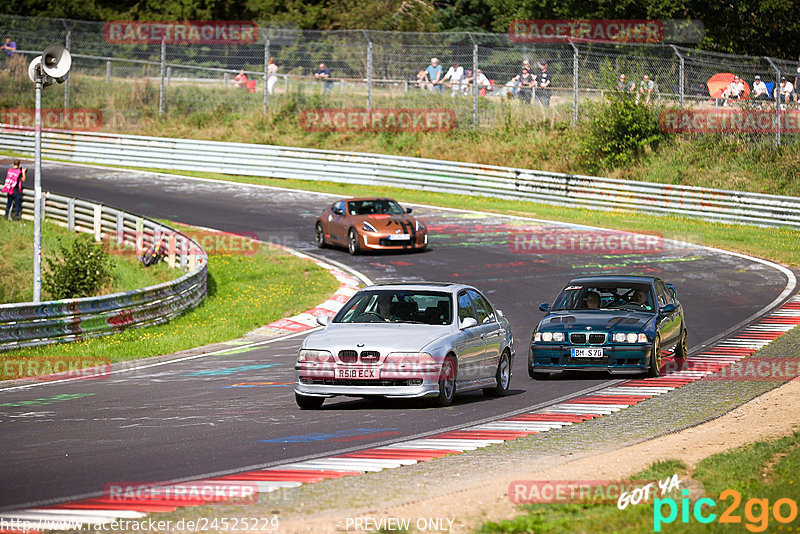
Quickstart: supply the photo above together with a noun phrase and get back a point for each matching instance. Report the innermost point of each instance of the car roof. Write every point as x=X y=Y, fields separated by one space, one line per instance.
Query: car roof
x=613 y=278
x=419 y=286
x=357 y=199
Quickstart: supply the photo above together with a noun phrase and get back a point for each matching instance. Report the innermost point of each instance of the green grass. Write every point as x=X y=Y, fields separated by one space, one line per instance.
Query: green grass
x=763 y=470
x=244 y=293
x=16 y=262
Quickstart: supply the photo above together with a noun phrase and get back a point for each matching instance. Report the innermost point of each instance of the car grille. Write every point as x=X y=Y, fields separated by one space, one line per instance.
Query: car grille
x=385 y=242
x=348 y=356
x=370 y=356
x=579 y=338
x=351 y=356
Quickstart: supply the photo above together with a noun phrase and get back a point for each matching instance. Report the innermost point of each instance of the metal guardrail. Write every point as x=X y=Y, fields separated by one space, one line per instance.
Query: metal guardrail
x=31 y=324
x=410 y=173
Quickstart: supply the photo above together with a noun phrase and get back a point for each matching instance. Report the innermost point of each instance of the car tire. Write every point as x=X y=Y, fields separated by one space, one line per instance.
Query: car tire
x=306 y=402
x=319 y=236
x=352 y=242
x=447 y=382
x=681 y=351
x=503 y=377
x=655 y=359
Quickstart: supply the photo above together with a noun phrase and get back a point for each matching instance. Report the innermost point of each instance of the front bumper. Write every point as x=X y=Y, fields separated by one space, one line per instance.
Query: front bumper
x=381 y=241
x=320 y=380
x=628 y=358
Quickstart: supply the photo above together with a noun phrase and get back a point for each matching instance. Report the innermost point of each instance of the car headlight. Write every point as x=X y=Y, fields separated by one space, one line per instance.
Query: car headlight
x=309 y=355
x=409 y=357
x=558 y=336
x=622 y=337
x=549 y=336
x=537 y=336
x=368 y=227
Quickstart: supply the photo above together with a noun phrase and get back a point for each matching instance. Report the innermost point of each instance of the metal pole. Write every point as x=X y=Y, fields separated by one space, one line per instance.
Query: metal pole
x=163 y=72
x=369 y=70
x=681 y=72
x=777 y=94
x=37 y=193
x=108 y=71
x=474 y=82
x=66 y=82
x=574 y=82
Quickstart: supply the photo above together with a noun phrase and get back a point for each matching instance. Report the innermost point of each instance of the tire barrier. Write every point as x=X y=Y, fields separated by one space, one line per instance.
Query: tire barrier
x=410 y=173
x=30 y=324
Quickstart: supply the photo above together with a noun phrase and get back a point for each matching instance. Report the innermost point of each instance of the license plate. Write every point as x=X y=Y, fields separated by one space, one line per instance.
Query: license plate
x=399 y=237
x=359 y=374
x=587 y=353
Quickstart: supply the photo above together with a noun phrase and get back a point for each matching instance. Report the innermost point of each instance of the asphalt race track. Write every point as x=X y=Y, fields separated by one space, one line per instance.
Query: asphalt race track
x=236 y=410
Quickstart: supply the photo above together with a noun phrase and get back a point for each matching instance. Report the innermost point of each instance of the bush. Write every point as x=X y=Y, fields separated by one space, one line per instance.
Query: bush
x=77 y=272
x=620 y=130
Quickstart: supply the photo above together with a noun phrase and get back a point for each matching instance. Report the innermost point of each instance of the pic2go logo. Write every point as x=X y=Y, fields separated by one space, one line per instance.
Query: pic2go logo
x=756 y=511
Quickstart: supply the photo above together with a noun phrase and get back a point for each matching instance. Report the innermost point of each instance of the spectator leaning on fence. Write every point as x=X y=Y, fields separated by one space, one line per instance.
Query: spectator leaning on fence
x=240 y=80
x=646 y=87
x=454 y=75
x=625 y=86
x=543 y=84
x=9 y=46
x=324 y=73
x=422 y=80
x=526 y=84
x=483 y=82
x=272 y=71
x=434 y=71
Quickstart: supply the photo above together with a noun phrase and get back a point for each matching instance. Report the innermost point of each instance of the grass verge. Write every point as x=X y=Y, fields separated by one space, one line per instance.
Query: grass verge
x=244 y=293
x=16 y=262
x=745 y=483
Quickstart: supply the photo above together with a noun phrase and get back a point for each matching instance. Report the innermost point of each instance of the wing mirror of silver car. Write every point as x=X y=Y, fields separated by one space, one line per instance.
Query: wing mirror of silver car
x=468 y=322
x=500 y=313
x=323 y=320
x=544 y=307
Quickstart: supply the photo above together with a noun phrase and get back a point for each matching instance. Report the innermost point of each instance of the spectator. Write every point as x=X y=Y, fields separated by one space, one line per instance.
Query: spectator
x=784 y=91
x=455 y=74
x=9 y=46
x=734 y=91
x=422 y=80
x=512 y=87
x=272 y=71
x=543 y=84
x=646 y=87
x=760 y=91
x=483 y=82
x=467 y=81
x=526 y=64
x=240 y=80
x=434 y=72
x=324 y=73
x=526 y=84
x=624 y=85
x=13 y=188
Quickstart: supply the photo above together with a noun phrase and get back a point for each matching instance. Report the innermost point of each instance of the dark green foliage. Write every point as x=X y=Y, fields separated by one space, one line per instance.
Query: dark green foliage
x=619 y=131
x=79 y=271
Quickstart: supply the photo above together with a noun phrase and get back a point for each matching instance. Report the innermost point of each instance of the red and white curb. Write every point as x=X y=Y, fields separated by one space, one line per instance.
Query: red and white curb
x=104 y=510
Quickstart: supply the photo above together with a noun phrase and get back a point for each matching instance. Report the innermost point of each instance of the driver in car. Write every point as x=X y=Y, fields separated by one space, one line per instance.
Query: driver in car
x=593 y=300
x=385 y=306
x=640 y=298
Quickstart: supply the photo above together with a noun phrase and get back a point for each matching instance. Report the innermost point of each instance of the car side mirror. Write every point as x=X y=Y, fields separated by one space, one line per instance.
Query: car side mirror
x=323 y=320
x=500 y=313
x=669 y=308
x=544 y=307
x=337 y=211
x=468 y=322
x=408 y=210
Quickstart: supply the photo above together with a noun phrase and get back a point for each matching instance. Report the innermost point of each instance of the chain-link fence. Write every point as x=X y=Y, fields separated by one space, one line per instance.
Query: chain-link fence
x=482 y=77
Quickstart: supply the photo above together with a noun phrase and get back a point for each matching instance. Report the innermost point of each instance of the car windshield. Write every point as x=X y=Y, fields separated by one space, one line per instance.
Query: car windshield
x=605 y=296
x=392 y=306
x=374 y=207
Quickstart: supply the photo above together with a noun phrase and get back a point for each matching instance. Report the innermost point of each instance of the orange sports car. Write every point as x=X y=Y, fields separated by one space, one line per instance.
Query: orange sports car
x=370 y=224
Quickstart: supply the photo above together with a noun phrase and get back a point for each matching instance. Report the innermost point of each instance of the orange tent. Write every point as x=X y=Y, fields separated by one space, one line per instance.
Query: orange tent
x=720 y=81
